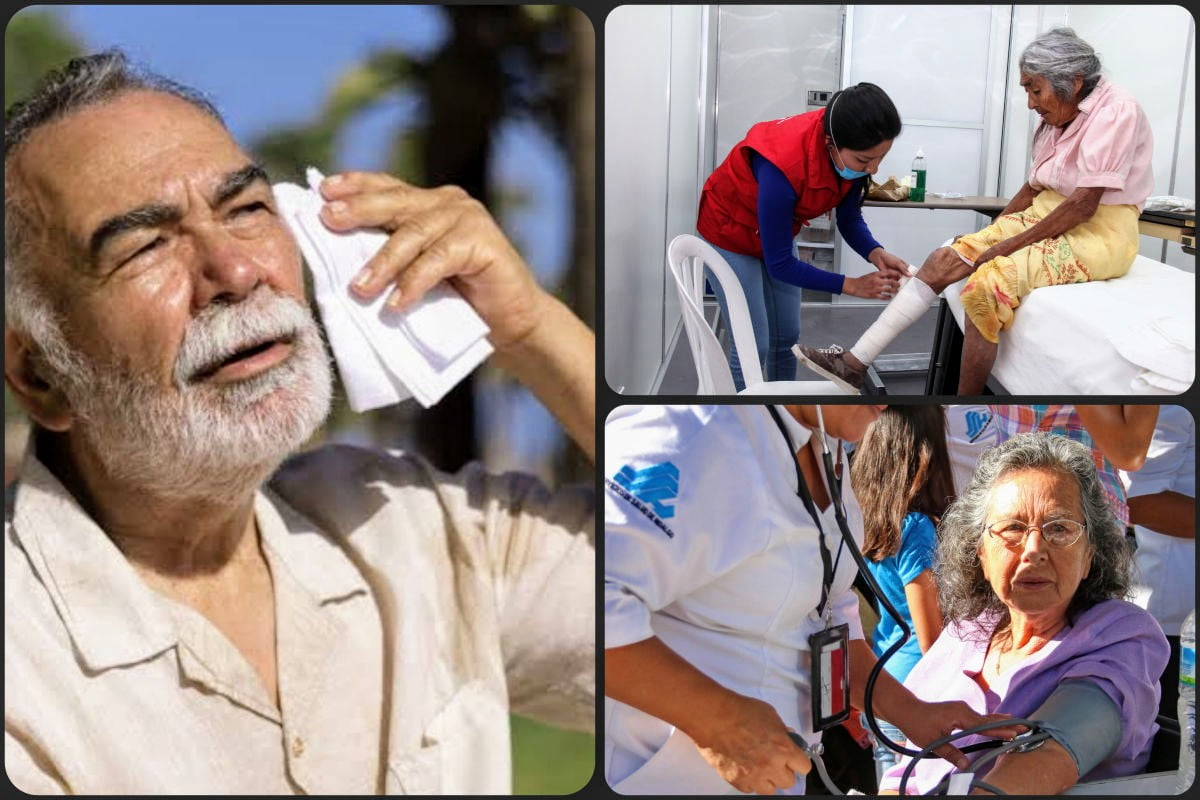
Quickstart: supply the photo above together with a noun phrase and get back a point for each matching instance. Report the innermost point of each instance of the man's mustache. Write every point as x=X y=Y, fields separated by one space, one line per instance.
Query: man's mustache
x=221 y=331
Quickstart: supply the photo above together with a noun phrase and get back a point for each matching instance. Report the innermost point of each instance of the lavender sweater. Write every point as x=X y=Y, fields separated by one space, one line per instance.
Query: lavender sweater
x=1114 y=644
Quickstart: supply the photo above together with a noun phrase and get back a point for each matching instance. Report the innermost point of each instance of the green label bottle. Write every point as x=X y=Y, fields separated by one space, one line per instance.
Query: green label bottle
x=917 y=192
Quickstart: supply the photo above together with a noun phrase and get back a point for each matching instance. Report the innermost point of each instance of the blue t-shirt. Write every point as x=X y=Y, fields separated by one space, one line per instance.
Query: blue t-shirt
x=918 y=541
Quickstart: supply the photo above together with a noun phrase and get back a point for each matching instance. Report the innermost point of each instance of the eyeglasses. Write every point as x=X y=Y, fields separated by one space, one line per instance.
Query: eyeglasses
x=1055 y=532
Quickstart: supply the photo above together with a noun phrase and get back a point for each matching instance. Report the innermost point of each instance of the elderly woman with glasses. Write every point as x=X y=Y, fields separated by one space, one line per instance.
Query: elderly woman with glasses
x=1074 y=220
x=1032 y=568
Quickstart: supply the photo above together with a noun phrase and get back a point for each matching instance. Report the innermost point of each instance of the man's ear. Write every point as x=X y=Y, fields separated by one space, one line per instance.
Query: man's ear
x=42 y=399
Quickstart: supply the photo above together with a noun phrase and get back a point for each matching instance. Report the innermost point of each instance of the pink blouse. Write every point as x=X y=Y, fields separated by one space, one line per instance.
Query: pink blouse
x=1109 y=144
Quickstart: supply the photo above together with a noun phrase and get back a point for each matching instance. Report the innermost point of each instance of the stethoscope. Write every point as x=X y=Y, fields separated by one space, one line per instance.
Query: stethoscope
x=833 y=484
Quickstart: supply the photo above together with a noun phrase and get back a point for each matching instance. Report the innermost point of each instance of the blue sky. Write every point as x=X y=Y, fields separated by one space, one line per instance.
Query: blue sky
x=267 y=66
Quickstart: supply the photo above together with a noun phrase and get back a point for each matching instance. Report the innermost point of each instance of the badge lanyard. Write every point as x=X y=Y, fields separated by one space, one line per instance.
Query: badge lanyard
x=829 y=655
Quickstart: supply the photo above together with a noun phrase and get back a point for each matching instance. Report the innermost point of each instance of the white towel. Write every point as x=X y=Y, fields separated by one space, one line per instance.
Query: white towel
x=383 y=356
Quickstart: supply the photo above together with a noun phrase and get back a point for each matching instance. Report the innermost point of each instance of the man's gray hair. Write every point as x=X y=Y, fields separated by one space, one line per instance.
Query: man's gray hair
x=1060 y=56
x=965 y=594
x=82 y=82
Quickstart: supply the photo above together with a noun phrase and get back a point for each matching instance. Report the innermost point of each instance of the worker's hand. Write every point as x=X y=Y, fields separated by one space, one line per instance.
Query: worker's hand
x=749 y=746
x=435 y=234
x=926 y=722
x=874 y=285
x=888 y=263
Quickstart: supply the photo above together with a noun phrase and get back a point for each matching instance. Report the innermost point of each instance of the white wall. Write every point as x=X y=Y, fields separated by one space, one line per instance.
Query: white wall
x=943 y=67
x=652 y=130
x=1150 y=51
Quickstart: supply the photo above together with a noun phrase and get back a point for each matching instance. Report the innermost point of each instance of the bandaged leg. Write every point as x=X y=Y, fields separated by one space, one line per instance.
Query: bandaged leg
x=906 y=307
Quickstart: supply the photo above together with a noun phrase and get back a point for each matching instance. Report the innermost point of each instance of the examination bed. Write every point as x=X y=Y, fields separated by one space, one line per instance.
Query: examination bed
x=1130 y=335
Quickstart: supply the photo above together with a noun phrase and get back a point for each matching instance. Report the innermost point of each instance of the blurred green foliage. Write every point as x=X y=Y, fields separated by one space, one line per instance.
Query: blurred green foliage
x=550 y=761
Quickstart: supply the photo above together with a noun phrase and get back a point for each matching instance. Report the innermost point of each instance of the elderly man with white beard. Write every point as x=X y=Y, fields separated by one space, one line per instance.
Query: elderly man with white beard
x=182 y=613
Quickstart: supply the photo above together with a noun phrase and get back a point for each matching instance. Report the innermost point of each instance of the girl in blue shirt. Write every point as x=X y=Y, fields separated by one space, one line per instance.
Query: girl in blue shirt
x=902 y=479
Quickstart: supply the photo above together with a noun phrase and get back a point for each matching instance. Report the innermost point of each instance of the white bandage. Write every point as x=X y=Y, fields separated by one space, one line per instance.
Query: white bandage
x=906 y=307
x=383 y=356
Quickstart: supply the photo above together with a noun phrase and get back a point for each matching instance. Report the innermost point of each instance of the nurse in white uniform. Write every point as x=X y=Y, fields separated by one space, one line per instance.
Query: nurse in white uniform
x=713 y=576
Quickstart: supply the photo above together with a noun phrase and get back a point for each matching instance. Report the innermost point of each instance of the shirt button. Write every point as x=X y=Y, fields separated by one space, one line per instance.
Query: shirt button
x=297 y=747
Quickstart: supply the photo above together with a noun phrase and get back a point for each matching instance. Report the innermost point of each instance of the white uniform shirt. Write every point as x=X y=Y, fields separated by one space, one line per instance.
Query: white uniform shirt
x=413 y=611
x=708 y=547
x=1165 y=582
x=970 y=431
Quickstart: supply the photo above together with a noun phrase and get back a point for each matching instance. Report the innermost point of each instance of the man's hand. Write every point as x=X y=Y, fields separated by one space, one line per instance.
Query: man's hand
x=888 y=263
x=436 y=234
x=750 y=747
x=444 y=234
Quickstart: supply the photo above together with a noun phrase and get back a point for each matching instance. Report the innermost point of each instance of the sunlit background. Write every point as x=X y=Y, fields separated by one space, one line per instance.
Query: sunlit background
x=496 y=99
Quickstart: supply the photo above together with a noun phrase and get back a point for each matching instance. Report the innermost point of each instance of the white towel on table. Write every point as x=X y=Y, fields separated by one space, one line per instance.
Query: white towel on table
x=383 y=356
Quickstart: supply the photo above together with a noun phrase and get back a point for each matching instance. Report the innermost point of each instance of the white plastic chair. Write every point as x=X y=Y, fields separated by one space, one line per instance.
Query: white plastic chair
x=687 y=256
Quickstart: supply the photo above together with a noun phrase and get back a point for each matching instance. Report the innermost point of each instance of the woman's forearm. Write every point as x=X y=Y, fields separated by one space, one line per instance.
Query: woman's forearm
x=1075 y=210
x=1047 y=770
x=1022 y=200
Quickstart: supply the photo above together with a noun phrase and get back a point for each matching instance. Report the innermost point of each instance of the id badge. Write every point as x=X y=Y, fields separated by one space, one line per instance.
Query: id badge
x=830 y=676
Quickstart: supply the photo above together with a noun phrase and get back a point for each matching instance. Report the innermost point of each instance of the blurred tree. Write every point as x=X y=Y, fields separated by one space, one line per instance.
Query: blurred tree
x=34 y=43
x=498 y=63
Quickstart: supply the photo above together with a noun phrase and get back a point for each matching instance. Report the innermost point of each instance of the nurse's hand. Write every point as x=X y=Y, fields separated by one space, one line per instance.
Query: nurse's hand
x=873 y=285
x=748 y=745
x=888 y=263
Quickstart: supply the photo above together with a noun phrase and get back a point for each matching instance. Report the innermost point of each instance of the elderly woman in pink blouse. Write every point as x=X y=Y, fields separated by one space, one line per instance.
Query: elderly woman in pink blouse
x=1074 y=220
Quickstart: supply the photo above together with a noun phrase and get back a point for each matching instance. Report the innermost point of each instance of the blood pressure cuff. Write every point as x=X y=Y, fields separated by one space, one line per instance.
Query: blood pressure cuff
x=1084 y=720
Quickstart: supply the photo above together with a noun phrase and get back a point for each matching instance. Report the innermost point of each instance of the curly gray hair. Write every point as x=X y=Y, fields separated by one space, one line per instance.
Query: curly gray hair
x=965 y=594
x=1060 y=56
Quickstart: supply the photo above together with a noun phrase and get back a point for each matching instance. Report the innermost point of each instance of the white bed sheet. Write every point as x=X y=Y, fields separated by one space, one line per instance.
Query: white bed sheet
x=1071 y=339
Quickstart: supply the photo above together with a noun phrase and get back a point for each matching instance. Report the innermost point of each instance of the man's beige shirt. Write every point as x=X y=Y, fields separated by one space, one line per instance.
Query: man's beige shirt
x=414 y=610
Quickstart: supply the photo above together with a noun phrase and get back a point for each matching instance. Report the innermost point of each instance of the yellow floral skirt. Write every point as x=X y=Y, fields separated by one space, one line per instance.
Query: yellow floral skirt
x=1101 y=248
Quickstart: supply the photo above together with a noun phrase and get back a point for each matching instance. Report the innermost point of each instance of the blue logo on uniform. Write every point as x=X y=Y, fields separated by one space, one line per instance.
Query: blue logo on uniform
x=657 y=485
x=977 y=422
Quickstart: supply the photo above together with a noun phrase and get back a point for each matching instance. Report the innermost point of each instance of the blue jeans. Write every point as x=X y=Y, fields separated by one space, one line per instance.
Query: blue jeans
x=774 y=316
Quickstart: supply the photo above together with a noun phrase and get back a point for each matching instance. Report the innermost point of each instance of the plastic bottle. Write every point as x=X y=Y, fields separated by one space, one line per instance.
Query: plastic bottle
x=917 y=192
x=1187 y=702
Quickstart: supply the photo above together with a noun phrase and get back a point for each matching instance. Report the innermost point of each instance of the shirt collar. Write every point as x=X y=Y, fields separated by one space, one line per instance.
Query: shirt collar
x=799 y=434
x=308 y=553
x=112 y=617
x=1088 y=103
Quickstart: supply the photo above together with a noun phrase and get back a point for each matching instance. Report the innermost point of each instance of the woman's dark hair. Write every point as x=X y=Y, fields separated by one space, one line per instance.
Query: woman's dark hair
x=861 y=116
x=901 y=465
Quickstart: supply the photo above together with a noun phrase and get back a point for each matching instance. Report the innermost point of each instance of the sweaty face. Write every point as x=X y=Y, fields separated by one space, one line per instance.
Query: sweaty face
x=192 y=353
x=1049 y=106
x=1035 y=578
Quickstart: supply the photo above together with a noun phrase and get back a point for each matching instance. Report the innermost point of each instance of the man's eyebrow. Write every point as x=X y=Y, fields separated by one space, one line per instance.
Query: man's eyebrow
x=238 y=180
x=152 y=214
x=145 y=216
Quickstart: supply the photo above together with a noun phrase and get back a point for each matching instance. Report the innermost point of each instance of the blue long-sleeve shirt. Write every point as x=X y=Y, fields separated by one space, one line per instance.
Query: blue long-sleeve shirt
x=776 y=199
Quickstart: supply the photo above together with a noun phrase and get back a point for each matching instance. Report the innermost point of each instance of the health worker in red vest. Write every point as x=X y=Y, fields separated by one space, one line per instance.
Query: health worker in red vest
x=784 y=173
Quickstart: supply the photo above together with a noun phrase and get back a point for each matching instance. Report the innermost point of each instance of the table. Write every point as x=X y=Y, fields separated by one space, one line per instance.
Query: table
x=1174 y=226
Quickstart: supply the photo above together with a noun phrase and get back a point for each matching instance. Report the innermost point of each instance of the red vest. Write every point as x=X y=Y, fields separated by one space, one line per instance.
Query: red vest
x=796 y=145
